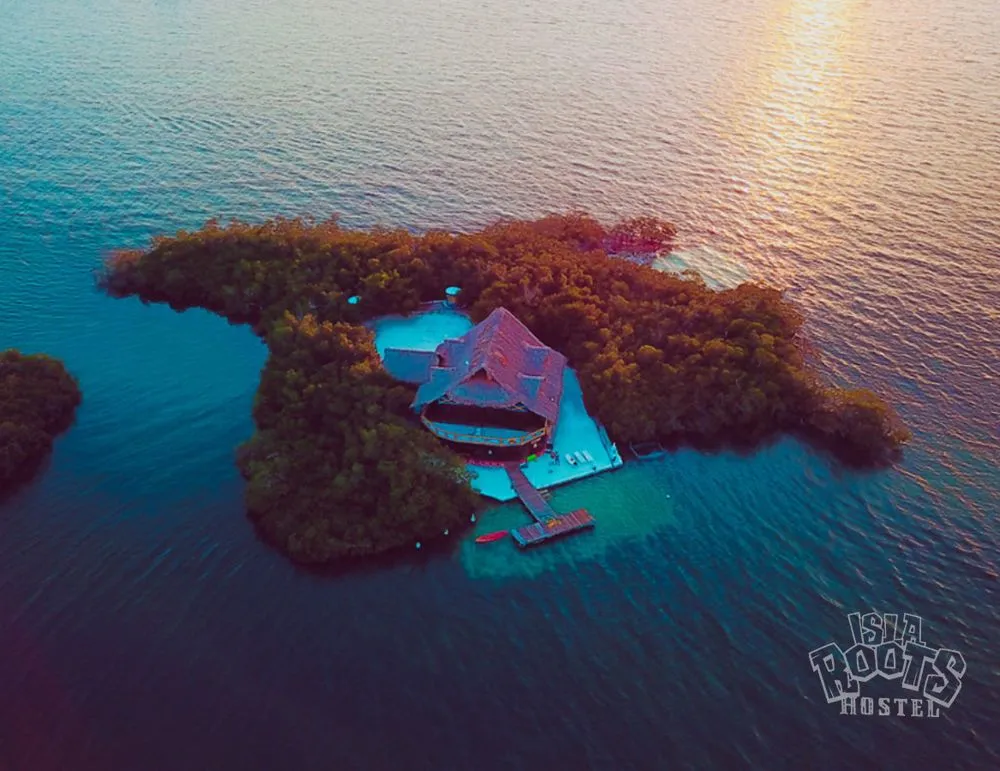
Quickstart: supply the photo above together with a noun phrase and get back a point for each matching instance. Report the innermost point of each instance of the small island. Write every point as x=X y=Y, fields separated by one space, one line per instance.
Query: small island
x=38 y=399
x=340 y=467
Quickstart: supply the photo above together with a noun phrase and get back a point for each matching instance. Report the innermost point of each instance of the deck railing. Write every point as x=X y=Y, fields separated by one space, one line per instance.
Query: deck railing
x=471 y=438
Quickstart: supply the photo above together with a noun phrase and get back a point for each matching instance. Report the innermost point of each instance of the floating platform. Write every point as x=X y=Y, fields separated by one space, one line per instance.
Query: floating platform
x=561 y=524
x=549 y=523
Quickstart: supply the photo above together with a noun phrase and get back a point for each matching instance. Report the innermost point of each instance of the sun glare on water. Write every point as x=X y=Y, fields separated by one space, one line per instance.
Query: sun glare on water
x=787 y=108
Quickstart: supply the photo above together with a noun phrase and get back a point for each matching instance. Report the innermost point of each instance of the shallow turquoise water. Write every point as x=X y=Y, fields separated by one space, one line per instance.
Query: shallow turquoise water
x=846 y=150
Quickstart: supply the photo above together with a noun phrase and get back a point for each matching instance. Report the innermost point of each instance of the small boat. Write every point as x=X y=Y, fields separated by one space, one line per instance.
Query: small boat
x=570 y=459
x=587 y=456
x=580 y=457
x=490 y=537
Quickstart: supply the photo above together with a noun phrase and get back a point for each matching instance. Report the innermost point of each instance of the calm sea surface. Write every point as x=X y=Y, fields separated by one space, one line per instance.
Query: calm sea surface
x=847 y=150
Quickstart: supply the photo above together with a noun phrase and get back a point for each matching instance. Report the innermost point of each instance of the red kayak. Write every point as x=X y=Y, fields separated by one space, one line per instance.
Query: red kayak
x=491 y=536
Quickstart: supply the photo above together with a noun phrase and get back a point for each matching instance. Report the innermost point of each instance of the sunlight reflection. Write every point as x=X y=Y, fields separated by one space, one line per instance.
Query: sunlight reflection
x=802 y=85
x=787 y=131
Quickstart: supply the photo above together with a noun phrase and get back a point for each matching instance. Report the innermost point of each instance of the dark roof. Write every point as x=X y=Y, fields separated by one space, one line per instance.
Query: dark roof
x=409 y=365
x=497 y=363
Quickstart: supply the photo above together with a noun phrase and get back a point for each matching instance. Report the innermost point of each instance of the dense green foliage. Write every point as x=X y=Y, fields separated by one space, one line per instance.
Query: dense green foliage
x=37 y=400
x=336 y=466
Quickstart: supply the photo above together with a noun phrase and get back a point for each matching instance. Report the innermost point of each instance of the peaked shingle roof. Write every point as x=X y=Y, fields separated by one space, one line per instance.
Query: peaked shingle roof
x=497 y=363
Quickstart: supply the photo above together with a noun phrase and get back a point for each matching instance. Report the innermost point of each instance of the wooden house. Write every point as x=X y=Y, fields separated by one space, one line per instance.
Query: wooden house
x=495 y=391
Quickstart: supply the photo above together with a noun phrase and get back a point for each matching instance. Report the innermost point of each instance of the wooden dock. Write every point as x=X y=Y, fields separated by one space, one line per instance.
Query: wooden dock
x=549 y=523
x=561 y=524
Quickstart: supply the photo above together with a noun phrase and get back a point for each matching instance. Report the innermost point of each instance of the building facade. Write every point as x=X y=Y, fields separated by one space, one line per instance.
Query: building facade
x=494 y=392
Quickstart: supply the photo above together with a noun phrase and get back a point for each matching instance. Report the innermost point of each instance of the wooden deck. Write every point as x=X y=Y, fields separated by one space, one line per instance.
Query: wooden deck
x=530 y=497
x=550 y=523
x=561 y=524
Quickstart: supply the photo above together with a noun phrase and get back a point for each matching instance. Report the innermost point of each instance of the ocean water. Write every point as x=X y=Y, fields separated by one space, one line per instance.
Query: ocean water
x=846 y=150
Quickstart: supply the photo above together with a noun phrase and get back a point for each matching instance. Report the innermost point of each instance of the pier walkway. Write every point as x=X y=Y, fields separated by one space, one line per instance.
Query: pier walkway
x=549 y=523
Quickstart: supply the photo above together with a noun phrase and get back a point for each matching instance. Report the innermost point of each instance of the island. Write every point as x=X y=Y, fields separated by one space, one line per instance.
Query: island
x=340 y=467
x=38 y=399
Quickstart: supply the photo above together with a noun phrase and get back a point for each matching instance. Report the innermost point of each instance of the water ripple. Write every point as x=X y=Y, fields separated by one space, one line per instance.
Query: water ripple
x=847 y=151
